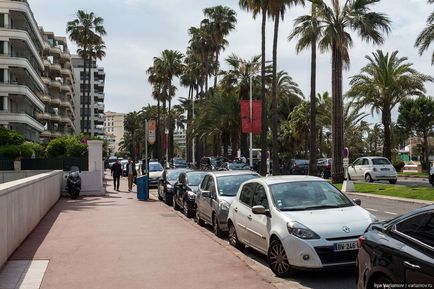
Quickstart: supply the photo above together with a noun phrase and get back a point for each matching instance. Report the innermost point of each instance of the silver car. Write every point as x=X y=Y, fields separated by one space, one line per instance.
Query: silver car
x=215 y=195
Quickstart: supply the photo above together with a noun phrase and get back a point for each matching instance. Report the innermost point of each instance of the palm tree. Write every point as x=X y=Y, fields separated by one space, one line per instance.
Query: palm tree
x=84 y=31
x=382 y=84
x=256 y=7
x=426 y=37
x=222 y=21
x=277 y=10
x=308 y=30
x=338 y=21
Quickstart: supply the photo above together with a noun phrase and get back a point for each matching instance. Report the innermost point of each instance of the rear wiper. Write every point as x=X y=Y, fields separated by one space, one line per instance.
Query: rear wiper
x=322 y=207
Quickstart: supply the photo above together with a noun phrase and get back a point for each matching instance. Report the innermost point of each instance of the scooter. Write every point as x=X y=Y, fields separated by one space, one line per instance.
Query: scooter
x=73 y=183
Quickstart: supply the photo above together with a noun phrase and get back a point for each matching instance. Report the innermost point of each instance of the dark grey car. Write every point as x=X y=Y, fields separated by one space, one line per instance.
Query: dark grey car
x=215 y=195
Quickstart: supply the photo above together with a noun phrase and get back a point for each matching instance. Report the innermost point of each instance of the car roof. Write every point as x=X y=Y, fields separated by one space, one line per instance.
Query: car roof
x=231 y=173
x=287 y=179
x=372 y=157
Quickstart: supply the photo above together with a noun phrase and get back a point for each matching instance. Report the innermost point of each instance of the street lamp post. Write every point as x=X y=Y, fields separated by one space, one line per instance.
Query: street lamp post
x=251 y=119
x=193 y=147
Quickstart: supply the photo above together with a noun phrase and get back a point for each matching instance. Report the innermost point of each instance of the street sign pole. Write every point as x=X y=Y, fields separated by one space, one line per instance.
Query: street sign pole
x=146 y=146
x=251 y=118
x=348 y=185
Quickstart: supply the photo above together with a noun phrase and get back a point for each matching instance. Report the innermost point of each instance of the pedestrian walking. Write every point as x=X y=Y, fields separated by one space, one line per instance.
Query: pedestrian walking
x=131 y=173
x=116 y=172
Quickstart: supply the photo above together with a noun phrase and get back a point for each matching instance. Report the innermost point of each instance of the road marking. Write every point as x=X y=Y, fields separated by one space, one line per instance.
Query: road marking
x=390 y=213
x=373 y=210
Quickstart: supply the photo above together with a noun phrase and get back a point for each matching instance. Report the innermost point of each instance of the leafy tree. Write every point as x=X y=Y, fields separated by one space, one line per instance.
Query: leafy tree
x=426 y=37
x=417 y=117
x=10 y=137
x=382 y=84
x=338 y=21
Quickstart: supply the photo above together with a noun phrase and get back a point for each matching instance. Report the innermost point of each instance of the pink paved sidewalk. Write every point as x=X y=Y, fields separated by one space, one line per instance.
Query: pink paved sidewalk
x=117 y=241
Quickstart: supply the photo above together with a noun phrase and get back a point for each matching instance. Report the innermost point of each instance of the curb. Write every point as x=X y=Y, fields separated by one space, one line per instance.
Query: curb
x=405 y=200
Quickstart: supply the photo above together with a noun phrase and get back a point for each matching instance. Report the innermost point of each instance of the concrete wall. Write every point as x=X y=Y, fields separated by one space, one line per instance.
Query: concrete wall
x=23 y=203
x=9 y=176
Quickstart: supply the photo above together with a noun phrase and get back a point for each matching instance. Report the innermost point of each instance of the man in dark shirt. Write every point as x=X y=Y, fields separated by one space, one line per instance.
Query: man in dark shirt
x=116 y=173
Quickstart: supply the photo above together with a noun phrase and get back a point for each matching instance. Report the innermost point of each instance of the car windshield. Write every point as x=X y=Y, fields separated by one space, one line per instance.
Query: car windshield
x=229 y=185
x=155 y=167
x=195 y=178
x=308 y=195
x=173 y=175
x=180 y=162
x=380 y=161
x=238 y=166
x=301 y=162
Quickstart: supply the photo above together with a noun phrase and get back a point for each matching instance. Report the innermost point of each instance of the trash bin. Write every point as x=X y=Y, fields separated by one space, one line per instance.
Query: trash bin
x=142 y=188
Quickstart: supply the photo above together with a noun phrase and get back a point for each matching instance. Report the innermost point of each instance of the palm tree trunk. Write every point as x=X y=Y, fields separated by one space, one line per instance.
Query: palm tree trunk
x=216 y=69
x=337 y=116
x=275 y=143
x=158 y=147
x=425 y=152
x=387 y=120
x=89 y=60
x=313 y=131
x=189 y=113
x=83 y=117
x=170 y=138
x=264 y=150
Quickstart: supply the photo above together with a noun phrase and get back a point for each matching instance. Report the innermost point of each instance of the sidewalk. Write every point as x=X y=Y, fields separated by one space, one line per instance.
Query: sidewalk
x=118 y=242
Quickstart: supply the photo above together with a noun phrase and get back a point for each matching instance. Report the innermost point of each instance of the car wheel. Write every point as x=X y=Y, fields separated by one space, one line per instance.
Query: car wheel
x=278 y=260
x=216 y=227
x=233 y=238
x=381 y=282
x=199 y=221
x=392 y=182
x=368 y=178
x=175 y=204
x=187 y=212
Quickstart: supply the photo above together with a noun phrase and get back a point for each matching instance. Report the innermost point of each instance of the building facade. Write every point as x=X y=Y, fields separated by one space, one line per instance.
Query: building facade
x=21 y=68
x=59 y=114
x=180 y=141
x=114 y=130
x=89 y=110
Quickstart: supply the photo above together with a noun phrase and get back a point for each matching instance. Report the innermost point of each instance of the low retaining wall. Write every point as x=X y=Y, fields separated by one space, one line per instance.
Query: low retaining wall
x=23 y=203
x=9 y=176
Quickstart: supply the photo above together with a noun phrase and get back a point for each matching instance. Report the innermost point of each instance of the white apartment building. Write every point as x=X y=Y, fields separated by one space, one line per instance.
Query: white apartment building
x=59 y=114
x=21 y=67
x=91 y=108
x=114 y=129
x=180 y=141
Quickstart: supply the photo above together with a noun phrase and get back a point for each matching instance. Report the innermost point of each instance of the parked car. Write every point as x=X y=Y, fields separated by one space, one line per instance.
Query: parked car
x=185 y=194
x=176 y=163
x=234 y=166
x=214 y=196
x=166 y=185
x=155 y=173
x=399 y=251
x=109 y=162
x=211 y=163
x=324 y=168
x=124 y=163
x=299 y=167
x=298 y=222
x=372 y=169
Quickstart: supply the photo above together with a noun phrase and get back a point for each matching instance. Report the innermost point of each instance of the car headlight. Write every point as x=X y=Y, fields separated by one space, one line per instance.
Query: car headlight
x=191 y=195
x=224 y=205
x=301 y=231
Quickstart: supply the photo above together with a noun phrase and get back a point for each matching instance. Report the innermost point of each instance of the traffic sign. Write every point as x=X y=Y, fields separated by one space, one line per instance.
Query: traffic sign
x=152 y=131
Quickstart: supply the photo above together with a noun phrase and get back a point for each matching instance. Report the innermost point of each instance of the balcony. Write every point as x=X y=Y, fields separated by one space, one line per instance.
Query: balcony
x=46 y=81
x=55 y=51
x=24 y=64
x=66 y=88
x=55 y=117
x=46 y=134
x=43 y=116
x=18 y=89
x=65 y=72
x=64 y=103
x=65 y=56
x=45 y=98
x=21 y=117
x=99 y=106
x=55 y=67
x=56 y=84
x=55 y=101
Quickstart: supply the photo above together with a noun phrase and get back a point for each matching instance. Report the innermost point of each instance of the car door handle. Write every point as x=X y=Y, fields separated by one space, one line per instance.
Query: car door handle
x=411 y=266
x=249 y=217
x=236 y=210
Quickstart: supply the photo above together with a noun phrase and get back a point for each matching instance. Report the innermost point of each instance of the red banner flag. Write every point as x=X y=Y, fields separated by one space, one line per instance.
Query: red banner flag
x=256 y=125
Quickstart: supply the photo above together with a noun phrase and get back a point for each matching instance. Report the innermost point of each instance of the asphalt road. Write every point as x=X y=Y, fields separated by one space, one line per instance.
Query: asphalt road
x=382 y=208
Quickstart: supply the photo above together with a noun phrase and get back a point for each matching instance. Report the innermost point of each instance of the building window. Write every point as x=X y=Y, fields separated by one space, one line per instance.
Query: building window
x=2 y=20
x=2 y=47
x=2 y=75
x=1 y=103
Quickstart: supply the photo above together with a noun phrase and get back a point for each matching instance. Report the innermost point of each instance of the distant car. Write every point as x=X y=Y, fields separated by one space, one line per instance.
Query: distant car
x=124 y=163
x=109 y=162
x=176 y=163
x=166 y=185
x=211 y=163
x=155 y=173
x=234 y=166
x=372 y=169
x=324 y=167
x=399 y=251
x=185 y=194
x=298 y=222
x=215 y=195
x=299 y=167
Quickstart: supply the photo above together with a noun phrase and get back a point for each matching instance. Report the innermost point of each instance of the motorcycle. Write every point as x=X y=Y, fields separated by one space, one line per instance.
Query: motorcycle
x=73 y=183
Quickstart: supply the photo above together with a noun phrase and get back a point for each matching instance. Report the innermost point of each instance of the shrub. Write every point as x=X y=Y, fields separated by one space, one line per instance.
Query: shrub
x=10 y=137
x=76 y=149
x=57 y=147
x=10 y=151
x=399 y=165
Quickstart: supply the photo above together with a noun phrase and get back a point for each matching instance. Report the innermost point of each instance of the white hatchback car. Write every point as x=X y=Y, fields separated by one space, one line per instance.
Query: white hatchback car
x=298 y=222
x=373 y=169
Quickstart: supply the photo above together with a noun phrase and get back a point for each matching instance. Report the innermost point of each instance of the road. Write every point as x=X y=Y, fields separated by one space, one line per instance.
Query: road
x=382 y=208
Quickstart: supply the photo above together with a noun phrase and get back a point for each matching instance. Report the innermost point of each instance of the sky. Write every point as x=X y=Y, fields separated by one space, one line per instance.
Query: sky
x=138 y=30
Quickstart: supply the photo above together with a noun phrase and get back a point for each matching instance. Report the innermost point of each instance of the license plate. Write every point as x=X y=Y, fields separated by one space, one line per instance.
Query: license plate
x=386 y=169
x=346 y=246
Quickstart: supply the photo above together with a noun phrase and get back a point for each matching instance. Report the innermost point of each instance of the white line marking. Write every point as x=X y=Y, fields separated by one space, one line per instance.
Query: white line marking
x=391 y=213
x=373 y=210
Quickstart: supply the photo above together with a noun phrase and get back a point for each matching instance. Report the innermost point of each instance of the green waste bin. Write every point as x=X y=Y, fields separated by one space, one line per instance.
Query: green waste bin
x=142 y=188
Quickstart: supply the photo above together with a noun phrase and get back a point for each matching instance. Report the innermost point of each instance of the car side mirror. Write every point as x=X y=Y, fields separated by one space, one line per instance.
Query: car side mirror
x=358 y=202
x=261 y=210
x=206 y=194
